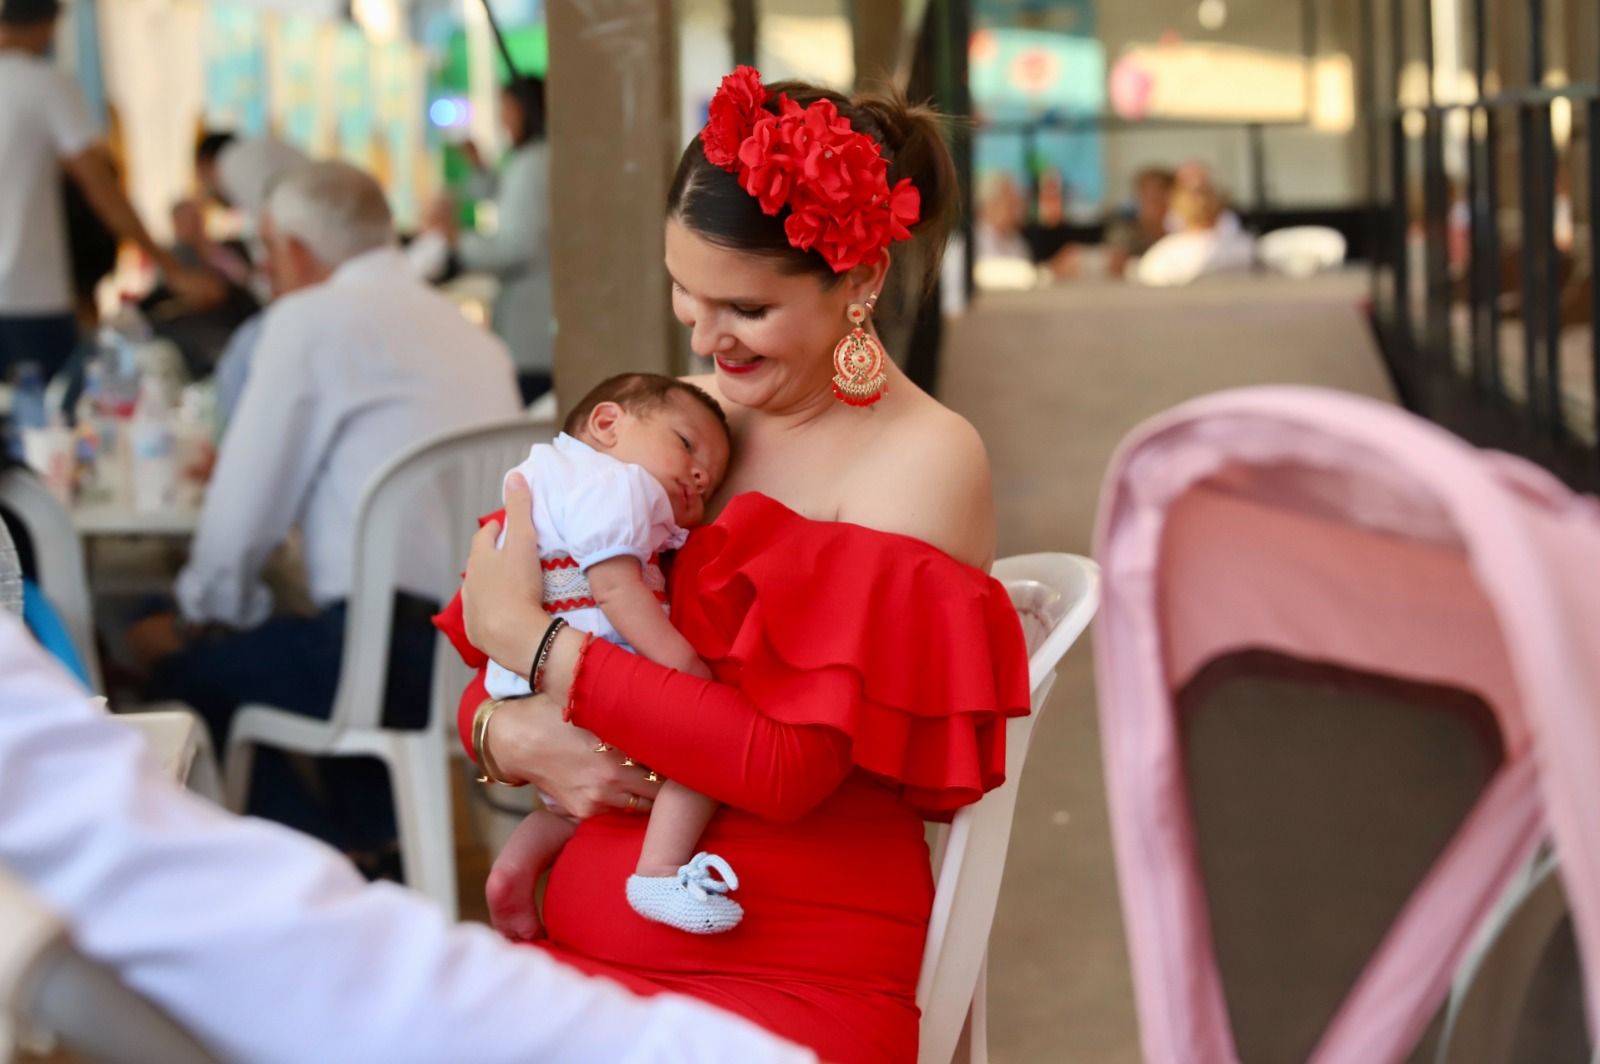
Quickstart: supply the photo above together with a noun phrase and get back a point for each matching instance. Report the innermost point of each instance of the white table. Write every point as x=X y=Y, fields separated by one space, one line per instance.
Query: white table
x=108 y=520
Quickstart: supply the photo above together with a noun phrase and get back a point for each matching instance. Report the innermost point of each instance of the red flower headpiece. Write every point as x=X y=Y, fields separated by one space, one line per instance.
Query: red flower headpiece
x=833 y=179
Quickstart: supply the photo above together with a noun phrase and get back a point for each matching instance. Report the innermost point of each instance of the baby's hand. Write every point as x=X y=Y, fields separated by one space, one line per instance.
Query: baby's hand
x=700 y=669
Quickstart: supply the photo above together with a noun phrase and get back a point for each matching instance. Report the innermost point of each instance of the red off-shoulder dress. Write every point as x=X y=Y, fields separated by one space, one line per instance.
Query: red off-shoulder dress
x=863 y=682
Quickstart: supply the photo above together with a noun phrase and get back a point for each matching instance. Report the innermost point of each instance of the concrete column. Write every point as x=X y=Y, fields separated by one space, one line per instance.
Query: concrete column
x=878 y=30
x=614 y=141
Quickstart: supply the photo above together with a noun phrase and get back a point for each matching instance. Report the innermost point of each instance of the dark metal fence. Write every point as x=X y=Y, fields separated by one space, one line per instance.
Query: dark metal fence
x=1491 y=331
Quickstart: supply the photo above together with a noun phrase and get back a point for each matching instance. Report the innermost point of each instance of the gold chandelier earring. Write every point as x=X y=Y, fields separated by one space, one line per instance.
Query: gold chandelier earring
x=858 y=360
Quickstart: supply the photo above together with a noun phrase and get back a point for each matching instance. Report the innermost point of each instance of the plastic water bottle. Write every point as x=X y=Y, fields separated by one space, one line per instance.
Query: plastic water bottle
x=151 y=443
x=122 y=336
x=27 y=404
x=27 y=408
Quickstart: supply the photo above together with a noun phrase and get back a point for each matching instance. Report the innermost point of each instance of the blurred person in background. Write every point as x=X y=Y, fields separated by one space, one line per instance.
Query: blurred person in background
x=1002 y=255
x=517 y=252
x=239 y=174
x=45 y=128
x=1138 y=230
x=1203 y=243
x=359 y=361
x=193 y=246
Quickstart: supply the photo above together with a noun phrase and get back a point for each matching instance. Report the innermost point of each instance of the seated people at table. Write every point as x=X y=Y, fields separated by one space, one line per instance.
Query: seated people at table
x=201 y=335
x=1140 y=227
x=359 y=363
x=263 y=944
x=1002 y=256
x=1203 y=243
x=865 y=663
x=45 y=128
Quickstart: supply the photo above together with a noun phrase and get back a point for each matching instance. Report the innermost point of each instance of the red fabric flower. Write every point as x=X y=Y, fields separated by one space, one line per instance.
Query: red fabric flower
x=734 y=110
x=833 y=179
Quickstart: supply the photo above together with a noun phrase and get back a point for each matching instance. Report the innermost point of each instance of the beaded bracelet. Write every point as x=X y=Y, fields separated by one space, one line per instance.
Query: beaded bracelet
x=542 y=658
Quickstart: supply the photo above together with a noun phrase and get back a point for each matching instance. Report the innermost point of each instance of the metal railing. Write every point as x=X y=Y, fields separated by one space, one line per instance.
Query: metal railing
x=1544 y=404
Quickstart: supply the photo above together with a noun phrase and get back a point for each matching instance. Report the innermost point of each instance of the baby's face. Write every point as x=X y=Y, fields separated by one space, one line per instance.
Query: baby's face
x=682 y=445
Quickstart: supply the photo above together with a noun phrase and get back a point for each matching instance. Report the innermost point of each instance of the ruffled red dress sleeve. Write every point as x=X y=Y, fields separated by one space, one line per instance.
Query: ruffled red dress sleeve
x=914 y=658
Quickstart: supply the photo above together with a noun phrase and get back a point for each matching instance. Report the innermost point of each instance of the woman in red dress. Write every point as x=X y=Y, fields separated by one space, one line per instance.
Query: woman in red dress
x=865 y=662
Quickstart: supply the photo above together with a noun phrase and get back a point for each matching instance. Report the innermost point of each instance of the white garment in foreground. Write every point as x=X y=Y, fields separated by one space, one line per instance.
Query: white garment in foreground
x=266 y=944
x=43 y=119
x=589 y=507
x=347 y=374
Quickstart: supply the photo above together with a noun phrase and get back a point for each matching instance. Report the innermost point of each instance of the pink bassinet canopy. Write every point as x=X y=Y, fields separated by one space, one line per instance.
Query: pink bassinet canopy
x=1343 y=530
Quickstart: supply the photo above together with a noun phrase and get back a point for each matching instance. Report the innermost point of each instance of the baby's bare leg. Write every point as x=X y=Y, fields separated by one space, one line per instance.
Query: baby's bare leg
x=513 y=910
x=677 y=821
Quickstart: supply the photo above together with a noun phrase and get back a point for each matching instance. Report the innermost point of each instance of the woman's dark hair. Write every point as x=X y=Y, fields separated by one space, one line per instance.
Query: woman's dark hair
x=708 y=200
x=529 y=94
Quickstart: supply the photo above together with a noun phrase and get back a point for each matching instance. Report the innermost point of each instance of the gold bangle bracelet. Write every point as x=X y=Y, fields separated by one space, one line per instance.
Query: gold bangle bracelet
x=488 y=771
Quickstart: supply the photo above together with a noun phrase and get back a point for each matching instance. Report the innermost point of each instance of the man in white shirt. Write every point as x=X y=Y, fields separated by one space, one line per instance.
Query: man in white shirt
x=360 y=362
x=265 y=945
x=45 y=128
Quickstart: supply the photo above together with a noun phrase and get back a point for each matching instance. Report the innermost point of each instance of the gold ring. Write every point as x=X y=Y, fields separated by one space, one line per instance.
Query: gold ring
x=627 y=761
x=652 y=776
x=633 y=803
x=601 y=748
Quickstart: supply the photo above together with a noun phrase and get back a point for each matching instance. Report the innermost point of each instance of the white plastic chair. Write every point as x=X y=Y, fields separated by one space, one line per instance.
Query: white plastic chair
x=58 y=553
x=1056 y=596
x=178 y=738
x=50 y=990
x=460 y=476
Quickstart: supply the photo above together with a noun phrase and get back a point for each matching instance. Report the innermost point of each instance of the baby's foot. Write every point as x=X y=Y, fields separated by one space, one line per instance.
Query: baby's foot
x=693 y=900
x=510 y=890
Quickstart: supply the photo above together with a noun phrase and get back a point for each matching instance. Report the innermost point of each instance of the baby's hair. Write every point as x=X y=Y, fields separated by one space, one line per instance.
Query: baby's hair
x=638 y=393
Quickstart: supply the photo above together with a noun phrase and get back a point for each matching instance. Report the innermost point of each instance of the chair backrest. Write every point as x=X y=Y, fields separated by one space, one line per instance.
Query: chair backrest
x=58 y=554
x=1056 y=596
x=445 y=484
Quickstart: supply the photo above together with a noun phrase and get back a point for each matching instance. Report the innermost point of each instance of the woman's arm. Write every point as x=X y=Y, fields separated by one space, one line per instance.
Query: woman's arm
x=709 y=737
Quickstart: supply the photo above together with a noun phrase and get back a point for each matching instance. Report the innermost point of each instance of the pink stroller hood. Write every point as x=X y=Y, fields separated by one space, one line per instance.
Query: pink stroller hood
x=1270 y=518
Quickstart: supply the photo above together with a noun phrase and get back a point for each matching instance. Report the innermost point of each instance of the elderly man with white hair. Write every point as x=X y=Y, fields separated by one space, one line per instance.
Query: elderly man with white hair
x=359 y=362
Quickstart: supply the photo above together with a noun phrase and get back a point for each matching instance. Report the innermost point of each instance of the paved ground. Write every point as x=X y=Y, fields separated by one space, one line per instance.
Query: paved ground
x=1054 y=380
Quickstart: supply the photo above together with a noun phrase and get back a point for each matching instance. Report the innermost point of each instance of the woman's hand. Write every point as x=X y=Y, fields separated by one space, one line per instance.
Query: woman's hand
x=529 y=741
x=502 y=596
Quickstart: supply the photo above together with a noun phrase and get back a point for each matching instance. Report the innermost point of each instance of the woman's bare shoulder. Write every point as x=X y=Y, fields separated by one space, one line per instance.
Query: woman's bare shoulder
x=930 y=480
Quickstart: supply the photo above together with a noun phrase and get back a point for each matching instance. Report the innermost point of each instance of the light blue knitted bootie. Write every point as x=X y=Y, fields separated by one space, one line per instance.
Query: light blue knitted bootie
x=693 y=900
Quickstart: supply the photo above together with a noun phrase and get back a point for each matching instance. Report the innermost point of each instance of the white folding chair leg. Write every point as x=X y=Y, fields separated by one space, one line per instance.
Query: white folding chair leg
x=978 y=1023
x=236 y=767
x=419 y=776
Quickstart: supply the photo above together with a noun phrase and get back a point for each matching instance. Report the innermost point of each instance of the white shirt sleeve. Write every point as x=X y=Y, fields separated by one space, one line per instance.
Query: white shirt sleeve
x=265 y=944
x=617 y=509
x=266 y=465
x=72 y=129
